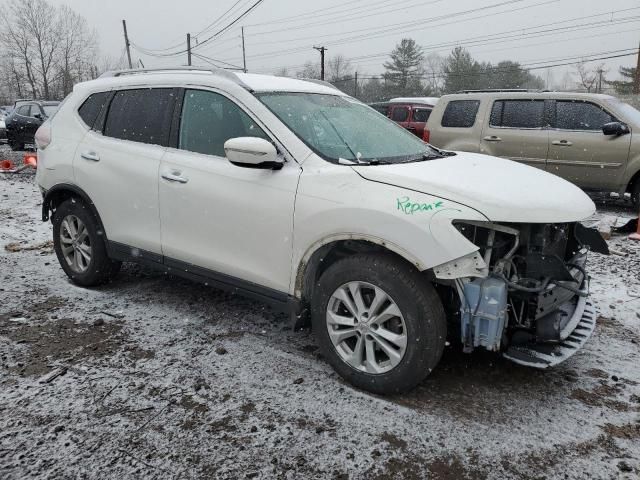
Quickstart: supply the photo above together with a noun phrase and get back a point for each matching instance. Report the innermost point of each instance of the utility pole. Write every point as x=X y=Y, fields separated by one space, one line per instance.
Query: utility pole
x=126 y=43
x=355 y=87
x=600 y=72
x=244 y=55
x=321 y=50
x=636 y=85
x=189 y=49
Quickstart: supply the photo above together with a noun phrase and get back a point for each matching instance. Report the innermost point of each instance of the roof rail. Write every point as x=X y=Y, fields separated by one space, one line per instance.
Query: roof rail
x=214 y=71
x=498 y=90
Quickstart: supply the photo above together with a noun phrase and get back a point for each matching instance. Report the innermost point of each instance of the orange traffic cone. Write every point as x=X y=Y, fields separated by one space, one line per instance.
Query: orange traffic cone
x=636 y=236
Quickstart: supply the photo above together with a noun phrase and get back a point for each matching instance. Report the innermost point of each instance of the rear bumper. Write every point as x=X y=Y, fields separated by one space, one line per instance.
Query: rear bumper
x=574 y=335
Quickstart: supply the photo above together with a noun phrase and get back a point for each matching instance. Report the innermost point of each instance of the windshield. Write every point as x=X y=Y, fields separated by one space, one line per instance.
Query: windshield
x=49 y=110
x=339 y=128
x=629 y=113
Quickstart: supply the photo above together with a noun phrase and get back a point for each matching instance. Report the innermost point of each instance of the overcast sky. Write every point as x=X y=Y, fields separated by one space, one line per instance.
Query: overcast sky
x=370 y=29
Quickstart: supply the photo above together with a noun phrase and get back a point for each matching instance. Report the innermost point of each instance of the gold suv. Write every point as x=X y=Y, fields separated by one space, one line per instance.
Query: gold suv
x=587 y=139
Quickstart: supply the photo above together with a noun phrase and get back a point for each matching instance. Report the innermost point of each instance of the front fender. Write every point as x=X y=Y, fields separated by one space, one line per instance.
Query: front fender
x=342 y=205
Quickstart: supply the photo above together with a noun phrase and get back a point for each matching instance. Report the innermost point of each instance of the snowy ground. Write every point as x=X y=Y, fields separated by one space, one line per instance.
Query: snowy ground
x=170 y=379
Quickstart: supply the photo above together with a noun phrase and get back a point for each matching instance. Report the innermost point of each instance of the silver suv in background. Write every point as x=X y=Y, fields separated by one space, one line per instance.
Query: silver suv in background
x=587 y=139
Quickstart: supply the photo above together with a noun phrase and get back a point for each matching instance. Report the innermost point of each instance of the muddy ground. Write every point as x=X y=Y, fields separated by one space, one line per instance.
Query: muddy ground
x=156 y=377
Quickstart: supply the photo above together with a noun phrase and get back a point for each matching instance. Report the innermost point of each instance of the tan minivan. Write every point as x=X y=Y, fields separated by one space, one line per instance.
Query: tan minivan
x=587 y=139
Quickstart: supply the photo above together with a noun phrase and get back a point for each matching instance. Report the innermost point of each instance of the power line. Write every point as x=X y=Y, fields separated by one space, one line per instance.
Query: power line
x=219 y=32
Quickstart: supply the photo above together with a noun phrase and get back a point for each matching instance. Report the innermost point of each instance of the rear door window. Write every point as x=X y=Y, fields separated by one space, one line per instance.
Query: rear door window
x=141 y=115
x=400 y=114
x=578 y=115
x=460 y=113
x=91 y=108
x=517 y=114
x=209 y=120
x=421 y=115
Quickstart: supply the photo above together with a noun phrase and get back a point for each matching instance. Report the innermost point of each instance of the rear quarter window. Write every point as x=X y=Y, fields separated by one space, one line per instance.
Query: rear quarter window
x=460 y=113
x=91 y=108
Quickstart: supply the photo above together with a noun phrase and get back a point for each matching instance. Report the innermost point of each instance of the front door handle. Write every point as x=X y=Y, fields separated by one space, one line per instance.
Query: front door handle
x=91 y=156
x=174 y=177
x=492 y=138
x=562 y=143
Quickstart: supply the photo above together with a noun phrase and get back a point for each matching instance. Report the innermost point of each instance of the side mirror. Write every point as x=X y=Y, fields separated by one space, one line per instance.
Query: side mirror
x=38 y=116
x=252 y=152
x=615 y=128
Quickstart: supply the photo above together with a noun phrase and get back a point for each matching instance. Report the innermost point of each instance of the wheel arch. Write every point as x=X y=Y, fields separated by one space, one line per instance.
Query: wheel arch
x=61 y=192
x=326 y=252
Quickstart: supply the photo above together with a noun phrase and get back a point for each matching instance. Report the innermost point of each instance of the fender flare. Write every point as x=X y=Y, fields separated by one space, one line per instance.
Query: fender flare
x=301 y=267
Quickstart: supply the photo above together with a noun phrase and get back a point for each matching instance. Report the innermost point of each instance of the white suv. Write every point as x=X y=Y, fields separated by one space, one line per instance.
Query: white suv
x=295 y=194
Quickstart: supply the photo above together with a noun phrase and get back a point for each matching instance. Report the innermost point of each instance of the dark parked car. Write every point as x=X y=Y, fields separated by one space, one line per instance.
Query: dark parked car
x=25 y=119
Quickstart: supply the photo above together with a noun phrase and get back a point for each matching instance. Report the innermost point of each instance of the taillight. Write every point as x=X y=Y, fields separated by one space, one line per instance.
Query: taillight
x=426 y=135
x=43 y=135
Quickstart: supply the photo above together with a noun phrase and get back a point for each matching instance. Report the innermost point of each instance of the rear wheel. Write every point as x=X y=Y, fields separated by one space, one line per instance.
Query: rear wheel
x=379 y=322
x=80 y=247
x=16 y=146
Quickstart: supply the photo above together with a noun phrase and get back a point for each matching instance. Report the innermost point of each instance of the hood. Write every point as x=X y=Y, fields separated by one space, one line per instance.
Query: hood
x=502 y=190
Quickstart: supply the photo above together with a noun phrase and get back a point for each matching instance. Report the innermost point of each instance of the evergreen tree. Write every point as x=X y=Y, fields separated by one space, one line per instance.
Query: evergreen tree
x=625 y=87
x=405 y=68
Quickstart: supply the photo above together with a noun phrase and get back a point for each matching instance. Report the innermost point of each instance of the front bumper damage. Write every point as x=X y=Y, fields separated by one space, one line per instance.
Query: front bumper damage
x=524 y=293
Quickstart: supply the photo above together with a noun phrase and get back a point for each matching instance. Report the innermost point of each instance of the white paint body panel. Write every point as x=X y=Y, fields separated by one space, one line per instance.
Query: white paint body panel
x=261 y=226
x=503 y=190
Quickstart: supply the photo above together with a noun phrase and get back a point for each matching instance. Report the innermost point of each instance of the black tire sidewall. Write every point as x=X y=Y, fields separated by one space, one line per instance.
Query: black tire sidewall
x=421 y=309
x=100 y=266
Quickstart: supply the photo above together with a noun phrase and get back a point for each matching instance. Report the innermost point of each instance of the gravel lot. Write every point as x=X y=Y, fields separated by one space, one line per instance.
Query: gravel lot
x=163 y=378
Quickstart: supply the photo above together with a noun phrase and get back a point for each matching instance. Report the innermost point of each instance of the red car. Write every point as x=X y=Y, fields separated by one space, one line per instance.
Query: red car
x=411 y=112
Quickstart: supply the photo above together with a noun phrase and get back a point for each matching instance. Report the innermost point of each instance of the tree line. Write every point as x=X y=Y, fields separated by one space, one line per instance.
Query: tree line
x=44 y=50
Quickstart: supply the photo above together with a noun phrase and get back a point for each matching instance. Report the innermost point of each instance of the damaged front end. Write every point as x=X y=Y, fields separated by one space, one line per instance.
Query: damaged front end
x=525 y=291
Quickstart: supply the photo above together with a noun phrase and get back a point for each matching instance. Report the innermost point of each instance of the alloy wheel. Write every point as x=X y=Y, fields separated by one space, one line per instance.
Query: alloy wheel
x=366 y=327
x=75 y=243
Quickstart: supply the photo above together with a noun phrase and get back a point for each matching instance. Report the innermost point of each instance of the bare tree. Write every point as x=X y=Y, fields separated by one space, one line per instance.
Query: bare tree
x=338 y=68
x=586 y=77
x=46 y=48
x=77 y=50
x=434 y=73
x=309 y=70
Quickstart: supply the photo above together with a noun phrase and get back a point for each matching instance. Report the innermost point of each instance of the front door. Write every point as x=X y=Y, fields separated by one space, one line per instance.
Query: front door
x=225 y=218
x=580 y=152
x=517 y=130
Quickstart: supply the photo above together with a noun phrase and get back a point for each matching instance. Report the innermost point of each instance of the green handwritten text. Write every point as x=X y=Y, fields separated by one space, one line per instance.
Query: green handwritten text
x=409 y=208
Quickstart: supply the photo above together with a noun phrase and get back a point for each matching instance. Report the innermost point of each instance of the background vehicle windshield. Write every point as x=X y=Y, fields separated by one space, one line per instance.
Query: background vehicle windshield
x=339 y=127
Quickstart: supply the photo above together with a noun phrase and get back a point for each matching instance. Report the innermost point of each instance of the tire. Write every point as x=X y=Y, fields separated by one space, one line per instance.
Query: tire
x=73 y=214
x=422 y=321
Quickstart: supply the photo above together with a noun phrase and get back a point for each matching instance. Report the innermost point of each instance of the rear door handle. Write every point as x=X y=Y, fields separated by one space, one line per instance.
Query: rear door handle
x=492 y=138
x=91 y=156
x=174 y=177
x=562 y=143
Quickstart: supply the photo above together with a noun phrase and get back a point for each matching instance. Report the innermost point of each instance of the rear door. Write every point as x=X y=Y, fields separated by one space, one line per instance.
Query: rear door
x=517 y=129
x=118 y=166
x=580 y=152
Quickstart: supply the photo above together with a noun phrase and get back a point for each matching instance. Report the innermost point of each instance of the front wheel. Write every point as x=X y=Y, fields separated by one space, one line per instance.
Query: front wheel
x=379 y=322
x=635 y=193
